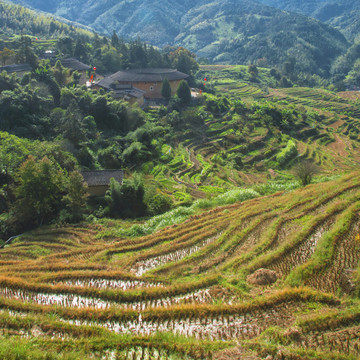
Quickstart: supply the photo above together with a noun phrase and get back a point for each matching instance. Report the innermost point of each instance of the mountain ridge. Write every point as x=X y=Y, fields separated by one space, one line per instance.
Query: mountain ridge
x=223 y=31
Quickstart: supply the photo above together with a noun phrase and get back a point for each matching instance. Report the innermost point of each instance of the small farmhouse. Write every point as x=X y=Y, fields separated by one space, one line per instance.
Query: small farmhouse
x=19 y=69
x=76 y=65
x=99 y=180
x=147 y=80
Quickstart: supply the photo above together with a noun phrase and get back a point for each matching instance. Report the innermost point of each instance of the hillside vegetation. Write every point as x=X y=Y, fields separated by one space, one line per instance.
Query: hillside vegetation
x=249 y=135
x=70 y=290
x=19 y=20
x=343 y=15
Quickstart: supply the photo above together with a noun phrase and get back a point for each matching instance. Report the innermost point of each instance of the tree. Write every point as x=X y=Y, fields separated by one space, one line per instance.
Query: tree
x=305 y=170
x=183 y=92
x=183 y=60
x=25 y=53
x=72 y=124
x=80 y=50
x=115 y=40
x=6 y=54
x=76 y=196
x=76 y=77
x=289 y=66
x=60 y=73
x=253 y=70
x=166 y=89
x=65 y=45
x=353 y=78
x=8 y=82
x=39 y=188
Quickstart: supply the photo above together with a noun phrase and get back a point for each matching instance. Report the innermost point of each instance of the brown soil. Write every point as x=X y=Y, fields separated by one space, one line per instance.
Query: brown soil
x=301 y=147
x=249 y=178
x=338 y=146
x=336 y=124
x=352 y=95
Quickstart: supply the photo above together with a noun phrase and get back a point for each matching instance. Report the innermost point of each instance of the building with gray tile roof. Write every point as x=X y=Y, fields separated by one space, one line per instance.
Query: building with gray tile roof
x=98 y=181
x=75 y=64
x=147 y=80
x=17 y=68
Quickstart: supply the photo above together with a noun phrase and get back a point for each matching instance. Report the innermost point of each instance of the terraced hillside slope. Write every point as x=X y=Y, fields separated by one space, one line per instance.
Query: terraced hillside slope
x=191 y=291
x=256 y=130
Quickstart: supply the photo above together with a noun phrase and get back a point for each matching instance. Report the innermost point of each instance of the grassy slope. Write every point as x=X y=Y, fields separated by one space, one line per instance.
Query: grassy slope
x=194 y=283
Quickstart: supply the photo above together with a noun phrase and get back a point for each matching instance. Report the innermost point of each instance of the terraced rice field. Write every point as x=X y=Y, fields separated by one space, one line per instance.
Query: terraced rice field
x=235 y=146
x=184 y=292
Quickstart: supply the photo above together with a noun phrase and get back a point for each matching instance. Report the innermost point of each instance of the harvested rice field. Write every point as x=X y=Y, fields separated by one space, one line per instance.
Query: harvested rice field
x=275 y=277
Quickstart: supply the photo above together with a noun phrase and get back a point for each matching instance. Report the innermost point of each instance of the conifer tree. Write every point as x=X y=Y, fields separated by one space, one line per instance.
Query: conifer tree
x=184 y=93
x=166 y=89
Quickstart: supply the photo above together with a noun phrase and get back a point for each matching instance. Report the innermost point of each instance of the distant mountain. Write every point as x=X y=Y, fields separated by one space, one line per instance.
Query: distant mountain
x=306 y=7
x=342 y=14
x=226 y=31
x=233 y=31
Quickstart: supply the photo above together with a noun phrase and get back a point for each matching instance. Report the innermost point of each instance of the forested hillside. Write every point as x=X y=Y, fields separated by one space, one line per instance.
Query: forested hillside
x=223 y=31
x=343 y=15
x=243 y=32
x=19 y=20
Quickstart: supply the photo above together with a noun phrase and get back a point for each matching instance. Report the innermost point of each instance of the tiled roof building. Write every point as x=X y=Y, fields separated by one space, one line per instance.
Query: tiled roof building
x=17 y=68
x=147 y=80
x=99 y=180
x=75 y=64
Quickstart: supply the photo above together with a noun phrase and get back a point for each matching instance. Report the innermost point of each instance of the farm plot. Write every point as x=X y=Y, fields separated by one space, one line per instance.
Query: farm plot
x=245 y=326
x=152 y=263
x=108 y=283
x=201 y=296
x=182 y=292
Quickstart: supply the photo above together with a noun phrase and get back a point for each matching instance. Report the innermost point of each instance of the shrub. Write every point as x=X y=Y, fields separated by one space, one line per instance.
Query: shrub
x=184 y=93
x=305 y=170
x=159 y=204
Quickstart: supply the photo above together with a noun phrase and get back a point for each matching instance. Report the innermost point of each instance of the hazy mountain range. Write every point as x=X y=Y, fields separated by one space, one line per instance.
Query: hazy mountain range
x=225 y=31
